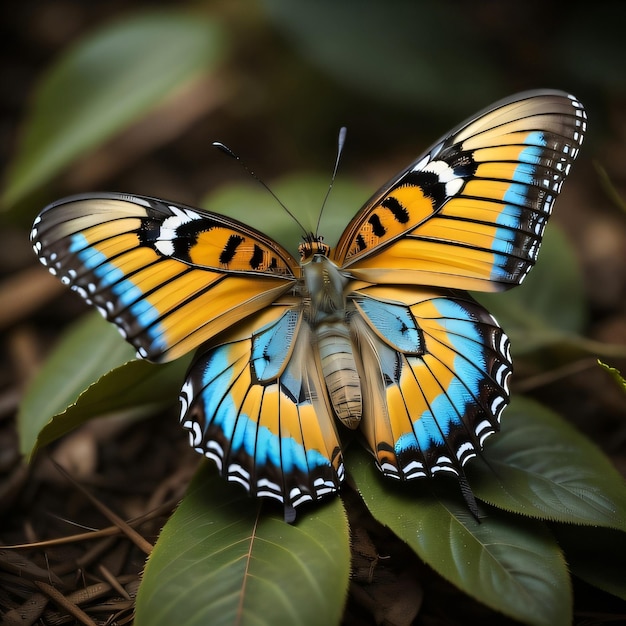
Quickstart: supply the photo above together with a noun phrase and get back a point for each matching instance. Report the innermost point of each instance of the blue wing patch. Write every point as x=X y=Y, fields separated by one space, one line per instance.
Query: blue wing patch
x=393 y=322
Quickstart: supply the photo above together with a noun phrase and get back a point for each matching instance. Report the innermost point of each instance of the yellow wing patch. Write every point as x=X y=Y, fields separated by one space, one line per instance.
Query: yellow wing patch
x=236 y=251
x=401 y=211
x=431 y=411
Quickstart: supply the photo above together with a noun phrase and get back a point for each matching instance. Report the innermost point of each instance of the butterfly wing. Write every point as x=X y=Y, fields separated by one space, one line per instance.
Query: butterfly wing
x=435 y=370
x=470 y=213
x=255 y=403
x=169 y=276
x=433 y=364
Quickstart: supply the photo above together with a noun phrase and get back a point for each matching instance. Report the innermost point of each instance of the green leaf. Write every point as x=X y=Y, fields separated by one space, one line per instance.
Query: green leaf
x=88 y=350
x=549 y=307
x=386 y=51
x=615 y=374
x=510 y=564
x=224 y=558
x=595 y=555
x=137 y=388
x=105 y=83
x=541 y=466
x=65 y=393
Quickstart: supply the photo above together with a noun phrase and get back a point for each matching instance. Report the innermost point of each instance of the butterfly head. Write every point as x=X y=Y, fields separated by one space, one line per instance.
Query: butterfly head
x=313 y=246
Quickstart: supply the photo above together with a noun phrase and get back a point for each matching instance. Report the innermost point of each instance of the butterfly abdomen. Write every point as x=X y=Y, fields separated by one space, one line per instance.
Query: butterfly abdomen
x=340 y=372
x=324 y=286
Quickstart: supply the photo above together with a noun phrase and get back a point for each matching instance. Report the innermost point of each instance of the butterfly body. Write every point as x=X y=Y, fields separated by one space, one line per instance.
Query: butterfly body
x=376 y=333
x=327 y=312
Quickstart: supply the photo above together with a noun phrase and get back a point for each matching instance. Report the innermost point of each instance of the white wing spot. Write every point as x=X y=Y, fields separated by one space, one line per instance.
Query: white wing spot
x=169 y=229
x=165 y=247
x=446 y=176
x=235 y=469
x=466 y=448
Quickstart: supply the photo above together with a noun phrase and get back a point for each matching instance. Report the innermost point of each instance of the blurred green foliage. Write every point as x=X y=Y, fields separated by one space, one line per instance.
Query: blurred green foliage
x=290 y=73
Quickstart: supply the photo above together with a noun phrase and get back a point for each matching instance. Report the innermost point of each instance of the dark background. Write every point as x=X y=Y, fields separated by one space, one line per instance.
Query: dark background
x=397 y=74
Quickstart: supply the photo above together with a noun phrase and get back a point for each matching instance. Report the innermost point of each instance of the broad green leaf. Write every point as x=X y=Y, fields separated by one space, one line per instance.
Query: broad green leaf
x=385 y=51
x=87 y=351
x=224 y=558
x=137 y=388
x=549 y=307
x=303 y=195
x=541 y=466
x=596 y=555
x=105 y=83
x=90 y=374
x=510 y=564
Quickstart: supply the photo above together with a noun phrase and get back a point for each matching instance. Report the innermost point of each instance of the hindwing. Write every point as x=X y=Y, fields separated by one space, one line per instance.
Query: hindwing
x=255 y=403
x=433 y=398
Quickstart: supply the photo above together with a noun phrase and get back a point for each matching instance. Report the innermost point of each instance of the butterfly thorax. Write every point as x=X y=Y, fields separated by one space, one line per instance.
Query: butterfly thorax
x=323 y=284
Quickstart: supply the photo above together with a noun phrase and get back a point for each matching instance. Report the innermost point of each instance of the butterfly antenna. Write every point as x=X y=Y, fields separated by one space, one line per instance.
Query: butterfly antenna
x=237 y=158
x=340 y=143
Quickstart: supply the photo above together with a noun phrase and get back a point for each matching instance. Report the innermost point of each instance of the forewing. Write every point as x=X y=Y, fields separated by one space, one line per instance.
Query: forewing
x=169 y=276
x=255 y=403
x=471 y=212
x=435 y=385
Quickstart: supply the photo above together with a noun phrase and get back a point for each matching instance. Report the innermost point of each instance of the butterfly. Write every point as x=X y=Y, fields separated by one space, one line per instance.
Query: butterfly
x=378 y=334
